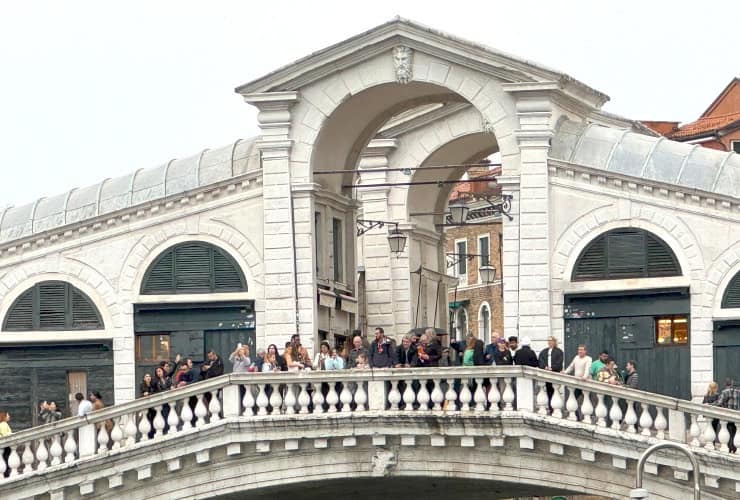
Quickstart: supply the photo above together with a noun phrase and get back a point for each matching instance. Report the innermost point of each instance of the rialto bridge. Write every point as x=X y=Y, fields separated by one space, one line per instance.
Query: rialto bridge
x=482 y=432
x=616 y=238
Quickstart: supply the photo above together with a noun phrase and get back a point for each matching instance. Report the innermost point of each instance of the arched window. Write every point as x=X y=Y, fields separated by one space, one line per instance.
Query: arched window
x=193 y=267
x=626 y=253
x=731 y=297
x=484 y=322
x=52 y=305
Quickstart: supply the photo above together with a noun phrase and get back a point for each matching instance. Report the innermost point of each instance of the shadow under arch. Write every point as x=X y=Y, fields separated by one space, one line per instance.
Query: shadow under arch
x=352 y=124
x=432 y=198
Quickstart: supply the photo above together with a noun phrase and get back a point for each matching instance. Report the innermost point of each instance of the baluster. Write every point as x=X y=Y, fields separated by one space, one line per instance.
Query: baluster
x=437 y=395
x=186 y=414
x=723 y=436
x=248 y=401
x=587 y=408
x=451 y=397
x=736 y=441
x=494 y=396
x=694 y=432
x=70 y=447
x=332 y=398
x=541 y=399
x=600 y=411
x=394 y=396
x=408 y=397
x=129 y=429
x=465 y=395
x=318 y=399
x=27 y=458
x=508 y=395
x=346 y=398
x=103 y=437
x=159 y=422
x=56 y=450
x=3 y=468
x=14 y=461
x=173 y=418
x=646 y=421
x=556 y=402
x=214 y=407
x=200 y=411
x=479 y=396
x=615 y=414
x=42 y=455
x=630 y=418
x=708 y=435
x=572 y=405
x=661 y=424
x=276 y=400
x=262 y=400
x=290 y=400
x=360 y=397
x=304 y=400
x=144 y=427
x=422 y=397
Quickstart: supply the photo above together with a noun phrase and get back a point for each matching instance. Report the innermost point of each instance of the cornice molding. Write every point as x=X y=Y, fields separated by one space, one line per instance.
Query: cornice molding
x=673 y=196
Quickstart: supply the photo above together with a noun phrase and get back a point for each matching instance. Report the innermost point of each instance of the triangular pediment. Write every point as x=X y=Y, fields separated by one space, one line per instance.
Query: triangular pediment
x=399 y=31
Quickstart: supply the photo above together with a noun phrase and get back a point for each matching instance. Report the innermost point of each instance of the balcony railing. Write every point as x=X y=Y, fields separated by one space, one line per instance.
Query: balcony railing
x=491 y=391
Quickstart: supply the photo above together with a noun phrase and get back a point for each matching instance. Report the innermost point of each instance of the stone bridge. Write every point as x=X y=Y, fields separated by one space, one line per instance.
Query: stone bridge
x=434 y=433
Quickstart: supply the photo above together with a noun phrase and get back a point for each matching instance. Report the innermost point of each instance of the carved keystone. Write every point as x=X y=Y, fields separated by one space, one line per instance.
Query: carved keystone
x=382 y=463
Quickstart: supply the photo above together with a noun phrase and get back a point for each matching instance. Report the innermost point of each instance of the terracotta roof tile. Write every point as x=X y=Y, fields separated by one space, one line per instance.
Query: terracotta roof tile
x=703 y=125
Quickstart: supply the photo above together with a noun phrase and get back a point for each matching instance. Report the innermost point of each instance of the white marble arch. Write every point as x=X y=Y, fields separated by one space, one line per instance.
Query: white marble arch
x=682 y=241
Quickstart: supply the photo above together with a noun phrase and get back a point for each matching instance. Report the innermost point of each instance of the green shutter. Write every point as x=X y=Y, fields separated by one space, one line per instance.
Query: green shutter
x=731 y=297
x=52 y=305
x=193 y=267
x=626 y=253
x=20 y=316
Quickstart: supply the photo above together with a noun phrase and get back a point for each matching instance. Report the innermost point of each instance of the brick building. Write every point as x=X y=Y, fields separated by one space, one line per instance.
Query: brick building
x=475 y=306
x=717 y=128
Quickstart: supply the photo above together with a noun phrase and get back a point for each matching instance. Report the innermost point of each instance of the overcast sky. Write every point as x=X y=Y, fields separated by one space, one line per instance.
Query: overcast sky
x=90 y=90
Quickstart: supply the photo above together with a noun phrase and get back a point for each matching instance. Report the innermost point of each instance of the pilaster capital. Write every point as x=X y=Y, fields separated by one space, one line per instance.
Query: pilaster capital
x=535 y=139
x=274 y=112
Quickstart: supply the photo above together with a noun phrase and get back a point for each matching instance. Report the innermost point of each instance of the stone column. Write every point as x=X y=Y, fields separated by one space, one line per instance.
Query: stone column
x=281 y=316
x=373 y=245
x=533 y=137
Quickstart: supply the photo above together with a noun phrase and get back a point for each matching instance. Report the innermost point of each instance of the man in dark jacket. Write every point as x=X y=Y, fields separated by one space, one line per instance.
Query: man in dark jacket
x=406 y=353
x=214 y=367
x=551 y=359
x=479 y=358
x=525 y=356
x=382 y=352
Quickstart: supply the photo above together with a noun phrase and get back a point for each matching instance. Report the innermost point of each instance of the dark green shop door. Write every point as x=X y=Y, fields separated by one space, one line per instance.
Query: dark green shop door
x=726 y=351
x=624 y=324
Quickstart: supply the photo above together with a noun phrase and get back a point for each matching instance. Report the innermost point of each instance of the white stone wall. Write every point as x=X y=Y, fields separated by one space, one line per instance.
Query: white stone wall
x=704 y=236
x=108 y=263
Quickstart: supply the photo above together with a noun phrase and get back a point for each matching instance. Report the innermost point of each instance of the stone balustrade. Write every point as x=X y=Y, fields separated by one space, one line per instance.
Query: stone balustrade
x=485 y=391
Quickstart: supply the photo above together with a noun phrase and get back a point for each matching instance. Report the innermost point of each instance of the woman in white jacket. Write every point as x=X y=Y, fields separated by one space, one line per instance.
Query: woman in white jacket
x=319 y=361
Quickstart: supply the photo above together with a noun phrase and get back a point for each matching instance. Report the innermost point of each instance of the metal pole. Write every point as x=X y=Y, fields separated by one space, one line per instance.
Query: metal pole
x=497 y=166
x=640 y=492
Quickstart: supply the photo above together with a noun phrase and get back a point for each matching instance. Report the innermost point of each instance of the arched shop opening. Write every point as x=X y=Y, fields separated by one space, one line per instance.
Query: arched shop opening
x=166 y=325
x=727 y=335
x=55 y=370
x=650 y=326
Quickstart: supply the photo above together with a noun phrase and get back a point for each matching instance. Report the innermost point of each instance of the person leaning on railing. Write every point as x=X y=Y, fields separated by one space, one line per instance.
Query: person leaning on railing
x=730 y=398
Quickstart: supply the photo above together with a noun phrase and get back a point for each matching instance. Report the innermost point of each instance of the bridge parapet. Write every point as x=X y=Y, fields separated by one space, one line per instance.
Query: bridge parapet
x=617 y=414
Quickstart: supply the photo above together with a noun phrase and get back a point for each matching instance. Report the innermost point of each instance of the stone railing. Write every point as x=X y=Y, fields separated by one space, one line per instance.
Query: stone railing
x=483 y=391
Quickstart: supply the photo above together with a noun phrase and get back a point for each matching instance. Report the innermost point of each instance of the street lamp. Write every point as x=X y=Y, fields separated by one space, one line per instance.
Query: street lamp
x=459 y=211
x=487 y=274
x=638 y=492
x=396 y=239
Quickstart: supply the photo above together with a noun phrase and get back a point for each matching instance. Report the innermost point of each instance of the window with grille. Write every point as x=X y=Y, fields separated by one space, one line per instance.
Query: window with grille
x=626 y=253
x=52 y=305
x=193 y=267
